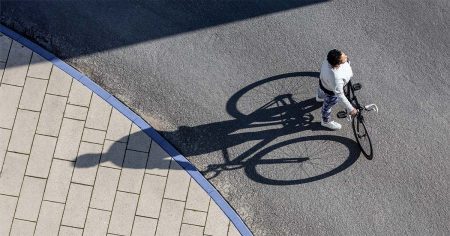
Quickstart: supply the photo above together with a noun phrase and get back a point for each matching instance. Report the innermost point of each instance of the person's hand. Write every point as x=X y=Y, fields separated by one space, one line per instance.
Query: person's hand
x=354 y=112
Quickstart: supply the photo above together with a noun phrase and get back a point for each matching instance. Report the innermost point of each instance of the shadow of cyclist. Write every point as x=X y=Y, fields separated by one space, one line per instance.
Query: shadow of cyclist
x=282 y=115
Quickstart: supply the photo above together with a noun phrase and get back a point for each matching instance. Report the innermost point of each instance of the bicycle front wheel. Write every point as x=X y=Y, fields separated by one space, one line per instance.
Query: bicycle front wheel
x=362 y=137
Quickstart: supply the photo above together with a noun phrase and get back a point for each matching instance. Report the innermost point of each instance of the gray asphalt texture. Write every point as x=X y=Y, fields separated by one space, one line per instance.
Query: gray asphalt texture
x=231 y=84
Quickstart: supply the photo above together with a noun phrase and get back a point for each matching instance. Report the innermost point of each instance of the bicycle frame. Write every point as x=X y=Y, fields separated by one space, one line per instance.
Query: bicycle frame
x=350 y=94
x=358 y=121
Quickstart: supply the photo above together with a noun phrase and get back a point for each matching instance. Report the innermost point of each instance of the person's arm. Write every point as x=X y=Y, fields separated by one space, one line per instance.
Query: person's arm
x=339 y=91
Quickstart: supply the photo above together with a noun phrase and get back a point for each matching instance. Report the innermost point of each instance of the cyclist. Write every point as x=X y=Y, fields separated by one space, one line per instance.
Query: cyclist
x=335 y=73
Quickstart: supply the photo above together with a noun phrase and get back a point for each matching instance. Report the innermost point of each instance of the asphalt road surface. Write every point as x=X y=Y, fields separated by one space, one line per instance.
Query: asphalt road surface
x=231 y=85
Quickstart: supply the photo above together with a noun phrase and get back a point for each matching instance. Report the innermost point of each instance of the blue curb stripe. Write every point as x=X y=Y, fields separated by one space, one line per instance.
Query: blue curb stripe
x=66 y=68
x=122 y=108
x=141 y=123
x=95 y=88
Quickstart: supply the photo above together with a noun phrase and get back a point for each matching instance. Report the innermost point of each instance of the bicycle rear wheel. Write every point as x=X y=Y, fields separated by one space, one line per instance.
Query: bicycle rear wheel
x=362 y=137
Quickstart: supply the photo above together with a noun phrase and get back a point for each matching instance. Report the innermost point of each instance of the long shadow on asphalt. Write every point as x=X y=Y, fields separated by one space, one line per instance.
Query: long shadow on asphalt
x=75 y=28
x=286 y=112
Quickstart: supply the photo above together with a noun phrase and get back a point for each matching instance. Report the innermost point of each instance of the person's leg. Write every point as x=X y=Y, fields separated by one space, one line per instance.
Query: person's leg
x=320 y=95
x=328 y=102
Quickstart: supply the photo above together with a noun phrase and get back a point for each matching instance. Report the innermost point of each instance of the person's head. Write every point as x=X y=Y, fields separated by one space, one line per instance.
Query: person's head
x=336 y=58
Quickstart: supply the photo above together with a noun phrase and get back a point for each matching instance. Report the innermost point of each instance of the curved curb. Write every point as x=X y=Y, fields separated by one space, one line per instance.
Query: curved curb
x=141 y=123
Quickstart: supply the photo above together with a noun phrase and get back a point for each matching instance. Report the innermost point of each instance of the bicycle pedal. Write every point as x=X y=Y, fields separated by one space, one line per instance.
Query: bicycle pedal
x=342 y=114
x=357 y=86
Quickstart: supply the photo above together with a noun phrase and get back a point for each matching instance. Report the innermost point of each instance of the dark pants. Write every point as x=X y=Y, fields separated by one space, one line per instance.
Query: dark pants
x=328 y=102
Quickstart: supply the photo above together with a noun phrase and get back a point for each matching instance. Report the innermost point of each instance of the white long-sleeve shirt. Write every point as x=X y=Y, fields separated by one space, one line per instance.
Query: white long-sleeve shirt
x=334 y=79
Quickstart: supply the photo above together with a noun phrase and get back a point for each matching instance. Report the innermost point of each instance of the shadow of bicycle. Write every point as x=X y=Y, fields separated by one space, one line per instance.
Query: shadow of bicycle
x=271 y=112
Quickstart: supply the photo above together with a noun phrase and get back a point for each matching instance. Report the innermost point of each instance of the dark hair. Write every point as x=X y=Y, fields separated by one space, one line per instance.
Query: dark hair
x=334 y=57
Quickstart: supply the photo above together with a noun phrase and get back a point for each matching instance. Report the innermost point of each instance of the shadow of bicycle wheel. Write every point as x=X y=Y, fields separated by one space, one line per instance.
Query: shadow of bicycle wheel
x=302 y=160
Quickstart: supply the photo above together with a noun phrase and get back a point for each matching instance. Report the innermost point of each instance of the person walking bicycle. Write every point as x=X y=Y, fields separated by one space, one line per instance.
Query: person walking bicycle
x=335 y=73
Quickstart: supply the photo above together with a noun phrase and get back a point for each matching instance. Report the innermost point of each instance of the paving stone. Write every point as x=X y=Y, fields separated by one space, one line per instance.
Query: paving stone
x=197 y=199
x=77 y=205
x=113 y=154
x=105 y=188
x=30 y=198
x=7 y=208
x=133 y=171
x=99 y=113
x=118 y=128
x=216 y=222
x=138 y=141
x=23 y=131
x=58 y=181
x=79 y=94
x=17 y=65
x=87 y=163
x=51 y=115
x=69 y=139
x=39 y=67
x=22 y=228
x=5 y=134
x=191 y=230
x=97 y=222
x=69 y=231
x=49 y=219
x=177 y=183
x=151 y=196
x=194 y=217
x=12 y=173
x=144 y=226
x=170 y=219
x=9 y=97
x=33 y=94
x=131 y=178
x=41 y=156
x=158 y=161
x=123 y=213
x=232 y=231
x=5 y=45
x=93 y=136
x=76 y=112
x=59 y=83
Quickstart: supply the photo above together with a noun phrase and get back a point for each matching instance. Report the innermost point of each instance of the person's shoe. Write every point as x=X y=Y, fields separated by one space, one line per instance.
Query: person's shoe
x=318 y=99
x=331 y=125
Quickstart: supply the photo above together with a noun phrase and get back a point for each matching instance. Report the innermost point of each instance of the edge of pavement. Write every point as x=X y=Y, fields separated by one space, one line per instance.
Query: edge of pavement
x=141 y=123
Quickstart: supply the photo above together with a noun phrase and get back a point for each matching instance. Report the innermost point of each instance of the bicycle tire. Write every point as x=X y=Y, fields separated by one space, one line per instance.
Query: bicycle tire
x=362 y=137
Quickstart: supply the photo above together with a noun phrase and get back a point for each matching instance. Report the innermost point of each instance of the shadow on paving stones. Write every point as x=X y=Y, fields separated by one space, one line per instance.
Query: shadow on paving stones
x=279 y=107
x=125 y=153
x=264 y=112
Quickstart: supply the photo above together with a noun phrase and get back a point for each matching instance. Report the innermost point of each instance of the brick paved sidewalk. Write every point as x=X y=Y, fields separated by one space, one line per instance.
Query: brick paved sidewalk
x=70 y=164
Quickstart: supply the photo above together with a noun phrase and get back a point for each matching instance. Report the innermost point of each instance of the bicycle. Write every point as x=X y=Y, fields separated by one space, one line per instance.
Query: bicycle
x=358 y=123
x=273 y=119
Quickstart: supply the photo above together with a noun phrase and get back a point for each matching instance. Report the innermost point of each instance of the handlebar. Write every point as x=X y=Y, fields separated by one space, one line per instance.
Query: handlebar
x=345 y=114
